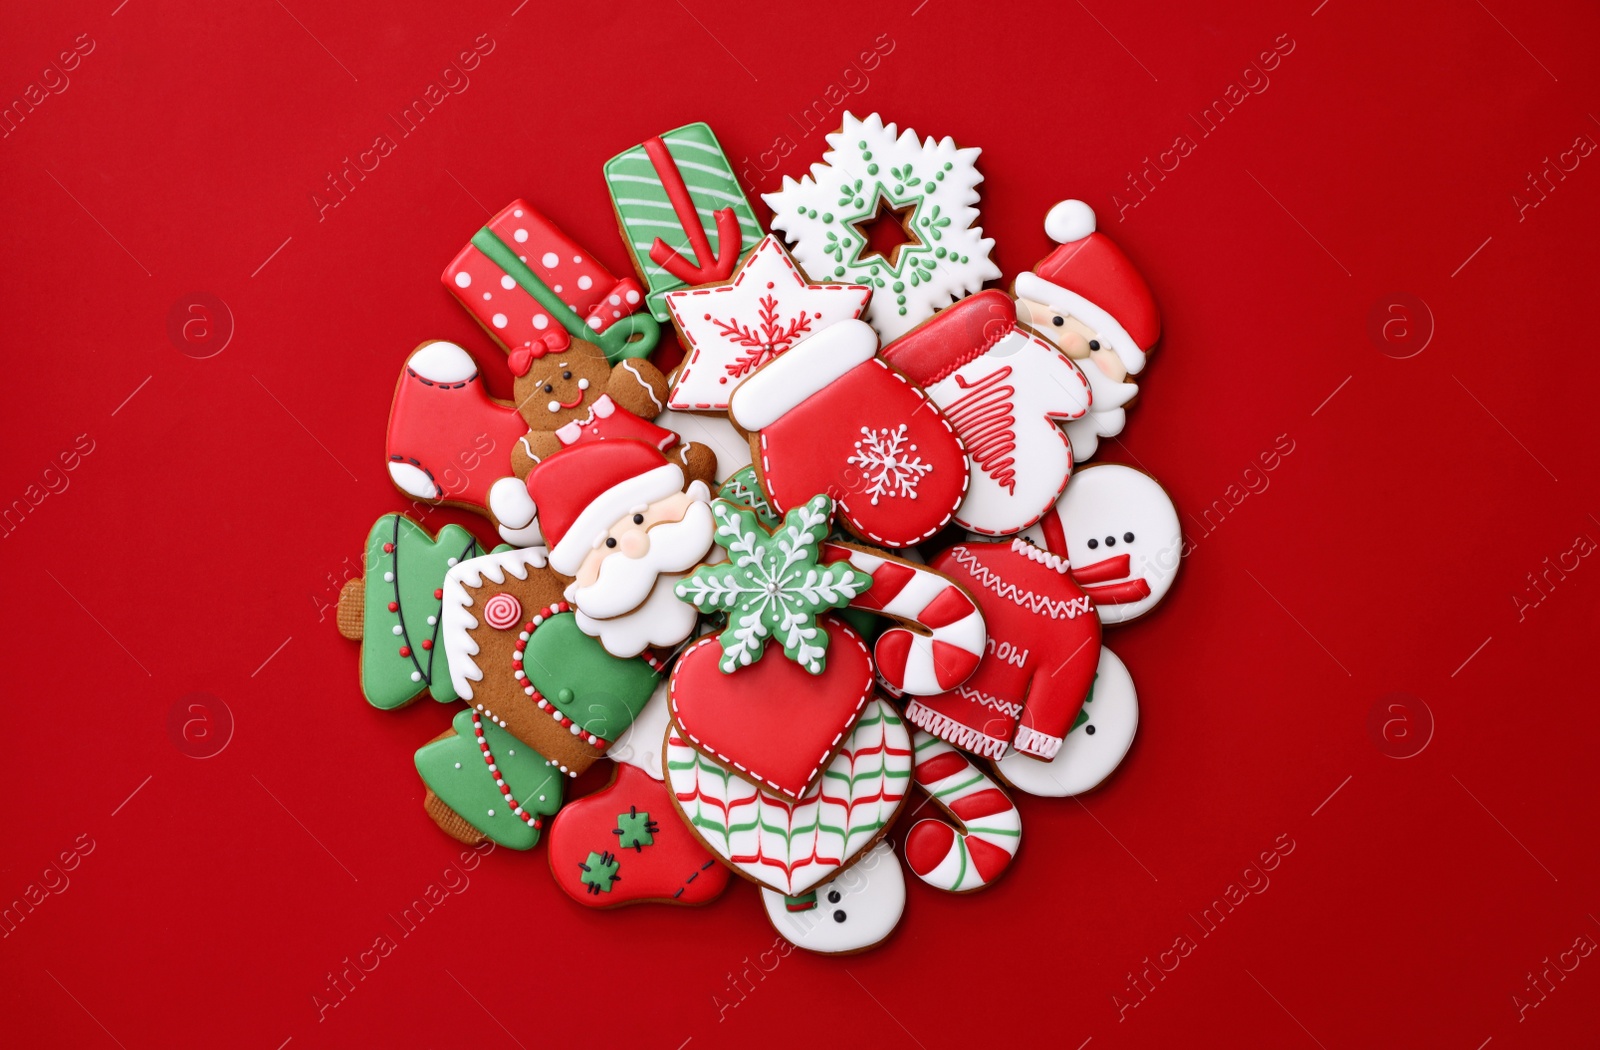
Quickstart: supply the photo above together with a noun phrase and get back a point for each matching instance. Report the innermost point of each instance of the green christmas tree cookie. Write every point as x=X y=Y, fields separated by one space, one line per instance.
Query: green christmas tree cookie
x=486 y=779
x=394 y=610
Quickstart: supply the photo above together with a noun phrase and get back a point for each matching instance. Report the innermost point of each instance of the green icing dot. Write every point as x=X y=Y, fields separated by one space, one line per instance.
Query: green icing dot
x=827 y=216
x=564 y=696
x=872 y=169
x=838 y=271
x=862 y=145
x=902 y=311
x=599 y=872
x=900 y=286
x=948 y=166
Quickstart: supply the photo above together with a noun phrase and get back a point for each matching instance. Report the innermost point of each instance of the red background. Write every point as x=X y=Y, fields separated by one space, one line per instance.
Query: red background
x=192 y=549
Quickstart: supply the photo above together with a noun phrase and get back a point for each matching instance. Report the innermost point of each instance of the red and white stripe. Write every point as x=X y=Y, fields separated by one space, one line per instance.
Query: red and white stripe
x=950 y=642
x=942 y=856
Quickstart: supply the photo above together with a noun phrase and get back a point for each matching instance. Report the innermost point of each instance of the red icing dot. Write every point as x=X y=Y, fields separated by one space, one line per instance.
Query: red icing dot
x=388 y=548
x=427 y=643
x=438 y=592
x=405 y=650
x=394 y=606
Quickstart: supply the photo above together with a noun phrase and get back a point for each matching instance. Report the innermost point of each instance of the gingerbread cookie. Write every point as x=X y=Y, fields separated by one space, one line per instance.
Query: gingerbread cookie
x=1005 y=390
x=1090 y=300
x=1100 y=738
x=664 y=190
x=874 y=174
x=790 y=845
x=1120 y=530
x=394 y=610
x=730 y=330
x=855 y=910
x=518 y=656
x=830 y=416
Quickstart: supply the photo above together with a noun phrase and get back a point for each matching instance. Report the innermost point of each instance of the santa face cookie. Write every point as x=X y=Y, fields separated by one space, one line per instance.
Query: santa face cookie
x=856 y=910
x=1119 y=529
x=1095 y=746
x=1004 y=389
x=1088 y=299
x=622 y=524
x=730 y=330
x=874 y=174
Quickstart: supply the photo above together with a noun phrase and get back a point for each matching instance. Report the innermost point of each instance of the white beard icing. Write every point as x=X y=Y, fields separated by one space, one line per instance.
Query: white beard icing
x=1106 y=415
x=662 y=620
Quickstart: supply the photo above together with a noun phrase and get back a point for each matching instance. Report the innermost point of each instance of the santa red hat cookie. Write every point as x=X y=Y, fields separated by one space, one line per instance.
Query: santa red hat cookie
x=1088 y=298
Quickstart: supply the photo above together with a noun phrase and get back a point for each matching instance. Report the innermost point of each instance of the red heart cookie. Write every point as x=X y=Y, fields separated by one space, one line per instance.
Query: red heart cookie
x=624 y=844
x=772 y=721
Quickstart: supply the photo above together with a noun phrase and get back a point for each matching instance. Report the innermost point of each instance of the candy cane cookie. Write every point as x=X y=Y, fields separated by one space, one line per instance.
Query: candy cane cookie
x=947 y=637
x=960 y=861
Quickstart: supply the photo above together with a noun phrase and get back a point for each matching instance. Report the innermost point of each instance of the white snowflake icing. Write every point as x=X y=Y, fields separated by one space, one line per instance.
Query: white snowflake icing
x=887 y=460
x=869 y=162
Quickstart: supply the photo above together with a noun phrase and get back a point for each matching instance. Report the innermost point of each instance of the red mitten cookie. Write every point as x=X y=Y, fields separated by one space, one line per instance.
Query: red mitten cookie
x=830 y=416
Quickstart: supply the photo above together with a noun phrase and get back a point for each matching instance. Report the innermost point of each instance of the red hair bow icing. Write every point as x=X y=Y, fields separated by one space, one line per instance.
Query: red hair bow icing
x=523 y=357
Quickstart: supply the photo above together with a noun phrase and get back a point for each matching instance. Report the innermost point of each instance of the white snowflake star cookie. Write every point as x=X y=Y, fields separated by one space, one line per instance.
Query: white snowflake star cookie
x=869 y=174
x=730 y=330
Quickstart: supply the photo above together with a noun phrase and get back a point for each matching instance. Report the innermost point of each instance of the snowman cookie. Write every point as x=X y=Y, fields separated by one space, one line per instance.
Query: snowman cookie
x=856 y=910
x=1098 y=742
x=1118 y=528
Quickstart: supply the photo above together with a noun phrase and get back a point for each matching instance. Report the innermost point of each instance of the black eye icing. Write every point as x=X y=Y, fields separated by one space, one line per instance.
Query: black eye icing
x=1093 y=544
x=566 y=375
x=1111 y=541
x=1058 y=321
x=549 y=389
x=839 y=916
x=611 y=541
x=638 y=519
x=1094 y=344
x=1089 y=730
x=833 y=896
x=1127 y=537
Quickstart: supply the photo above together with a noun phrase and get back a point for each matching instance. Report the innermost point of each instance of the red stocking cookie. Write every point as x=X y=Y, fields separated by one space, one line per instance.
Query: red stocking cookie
x=830 y=416
x=625 y=845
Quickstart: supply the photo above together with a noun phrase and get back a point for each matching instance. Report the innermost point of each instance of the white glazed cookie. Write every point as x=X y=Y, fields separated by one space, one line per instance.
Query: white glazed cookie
x=873 y=169
x=1095 y=746
x=855 y=910
x=1119 y=529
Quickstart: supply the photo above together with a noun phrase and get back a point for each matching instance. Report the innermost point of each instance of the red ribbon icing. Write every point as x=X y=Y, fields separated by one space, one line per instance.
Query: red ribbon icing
x=523 y=357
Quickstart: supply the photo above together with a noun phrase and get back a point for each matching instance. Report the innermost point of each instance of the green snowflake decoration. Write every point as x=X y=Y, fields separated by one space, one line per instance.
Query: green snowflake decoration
x=773 y=587
x=599 y=872
x=635 y=830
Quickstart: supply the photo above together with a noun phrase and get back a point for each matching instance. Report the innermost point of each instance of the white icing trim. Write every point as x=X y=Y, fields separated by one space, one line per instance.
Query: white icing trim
x=442 y=362
x=1032 y=742
x=413 y=481
x=455 y=621
x=1040 y=555
x=947 y=729
x=810 y=365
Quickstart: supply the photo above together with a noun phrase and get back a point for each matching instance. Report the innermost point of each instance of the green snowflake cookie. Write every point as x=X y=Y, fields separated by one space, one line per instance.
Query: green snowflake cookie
x=773 y=587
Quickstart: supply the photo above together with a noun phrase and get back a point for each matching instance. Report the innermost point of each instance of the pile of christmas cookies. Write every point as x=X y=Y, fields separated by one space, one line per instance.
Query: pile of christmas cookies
x=840 y=551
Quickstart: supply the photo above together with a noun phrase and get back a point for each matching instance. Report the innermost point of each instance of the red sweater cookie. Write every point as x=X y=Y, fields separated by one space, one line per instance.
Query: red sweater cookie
x=1044 y=644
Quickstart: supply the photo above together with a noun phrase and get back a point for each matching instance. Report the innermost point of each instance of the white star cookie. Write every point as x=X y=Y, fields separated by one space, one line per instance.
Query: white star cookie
x=730 y=330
